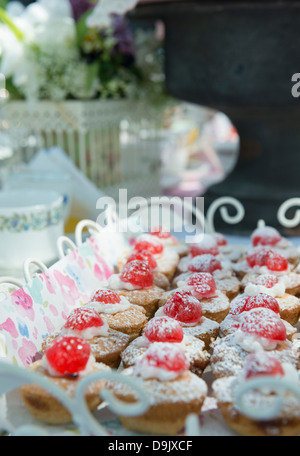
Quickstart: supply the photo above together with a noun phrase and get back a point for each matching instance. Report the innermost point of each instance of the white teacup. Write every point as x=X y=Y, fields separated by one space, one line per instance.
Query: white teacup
x=43 y=180
x=30 y=224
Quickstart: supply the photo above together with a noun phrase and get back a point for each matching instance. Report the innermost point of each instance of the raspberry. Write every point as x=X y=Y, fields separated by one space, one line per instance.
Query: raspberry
x=183 y=307
x=265 y=236
x=138 y=273
x=160 y=232
x=263 y=323
x=83 y=318
x=264 y=256
x=207 y=245
x=144 y=255
x=262 y=363
x=68 y=355
x=164 y=329
x=276 y=262
x=262 y=300
x=220 y=238
x=258 y=256
x=149 y=243
x=203 y=283
x=106 y=296
x=166 y=356
x=237 y=305
x=204 y=263
x=243 y=303
x=266 y=280
x=196 y=250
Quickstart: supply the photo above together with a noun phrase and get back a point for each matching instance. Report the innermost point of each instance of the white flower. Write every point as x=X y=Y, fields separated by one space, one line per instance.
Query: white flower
x=26 y=78
x=50 y=14
x=101 y=14
x=57 y=8
x=12 y=52
x=44 y=61
x=55 y=33
x=15 y=9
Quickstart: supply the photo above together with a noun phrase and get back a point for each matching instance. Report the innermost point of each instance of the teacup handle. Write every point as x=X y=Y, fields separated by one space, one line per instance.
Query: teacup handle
x=11 y=281
x=61 y=242
x=90 y=225
x=26 y=268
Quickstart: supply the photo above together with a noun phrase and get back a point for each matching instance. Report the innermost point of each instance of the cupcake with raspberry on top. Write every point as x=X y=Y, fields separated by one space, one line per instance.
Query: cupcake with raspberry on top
x=187 y=309
x=135 y=282
x=106 y=343
x=166 y=329
x=118 y=312
x=223 y=273
x=244 y=303
x=215 y=304
x=174 y=391
x=284 y=419
x=258 y=330
x=65 y=362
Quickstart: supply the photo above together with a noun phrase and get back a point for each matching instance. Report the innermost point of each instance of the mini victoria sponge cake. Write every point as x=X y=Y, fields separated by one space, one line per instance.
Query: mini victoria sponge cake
x=187 y=309
x=259 y=330
x=222 y=272
x=106 y=343
x=166 y=257
x=159 y=278
x=162 y=257
x=215 y=304
x=244 y=303
x=166 y=329
x=285 y=420
x=263 y=260
x=118 y=312
x=276 y=286
x=215 y=244
x=65 y=361
x=269 y=236
x=173 y=390
x=136 y=284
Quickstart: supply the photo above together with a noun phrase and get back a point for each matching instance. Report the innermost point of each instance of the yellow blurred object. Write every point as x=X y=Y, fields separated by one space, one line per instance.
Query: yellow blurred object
x=192 y=136
x=70 y=225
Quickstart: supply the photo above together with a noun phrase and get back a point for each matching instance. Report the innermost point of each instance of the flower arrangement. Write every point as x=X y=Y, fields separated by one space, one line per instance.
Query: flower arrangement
x=58 y=50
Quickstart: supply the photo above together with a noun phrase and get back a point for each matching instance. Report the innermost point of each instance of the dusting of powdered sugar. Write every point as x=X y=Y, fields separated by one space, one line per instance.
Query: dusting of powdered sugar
x=110 y=308
x=224 y=390
x=215 y=304
x=185 y=389
x=228 y=357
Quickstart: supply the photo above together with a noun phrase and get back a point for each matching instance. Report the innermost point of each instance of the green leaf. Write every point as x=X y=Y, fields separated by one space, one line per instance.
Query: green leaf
x=4 y=17
x=13 y=91
x=82 y=28
x=92 y=74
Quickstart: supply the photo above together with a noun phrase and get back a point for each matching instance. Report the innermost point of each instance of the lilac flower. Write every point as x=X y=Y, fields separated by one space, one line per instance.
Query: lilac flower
x=123 y=35
x=80 y=7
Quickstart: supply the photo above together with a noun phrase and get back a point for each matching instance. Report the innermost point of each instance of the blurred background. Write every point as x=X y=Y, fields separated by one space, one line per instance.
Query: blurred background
x=93 y=100
x=97 y=96
x=158 y=97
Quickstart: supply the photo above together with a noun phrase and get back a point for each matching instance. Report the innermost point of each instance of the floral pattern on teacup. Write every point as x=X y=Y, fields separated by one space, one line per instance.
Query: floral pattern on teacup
x=37 y=221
